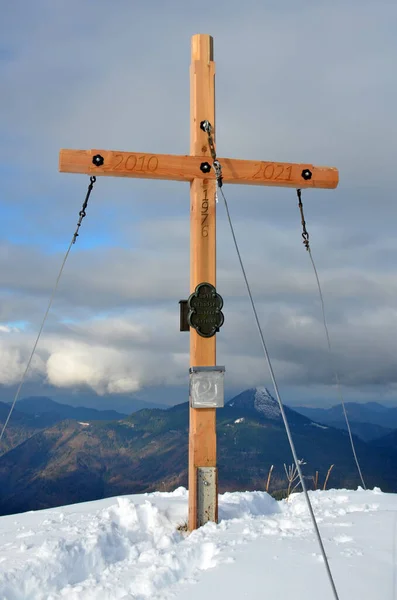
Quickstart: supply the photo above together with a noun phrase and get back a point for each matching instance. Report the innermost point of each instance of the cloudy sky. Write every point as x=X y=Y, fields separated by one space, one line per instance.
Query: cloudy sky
x=306 y=81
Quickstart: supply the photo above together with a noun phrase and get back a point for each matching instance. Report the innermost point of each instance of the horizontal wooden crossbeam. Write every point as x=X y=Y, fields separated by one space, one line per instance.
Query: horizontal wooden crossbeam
x=187 y=168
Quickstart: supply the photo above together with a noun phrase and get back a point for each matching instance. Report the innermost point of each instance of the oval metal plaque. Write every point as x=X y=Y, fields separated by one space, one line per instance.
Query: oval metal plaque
x=205 y=313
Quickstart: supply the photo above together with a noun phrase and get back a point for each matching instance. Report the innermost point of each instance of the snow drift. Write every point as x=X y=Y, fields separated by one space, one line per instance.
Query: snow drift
x=130 y=548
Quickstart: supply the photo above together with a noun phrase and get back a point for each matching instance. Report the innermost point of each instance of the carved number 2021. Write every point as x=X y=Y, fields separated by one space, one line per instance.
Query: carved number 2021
x=273 y=171
x=134 y=162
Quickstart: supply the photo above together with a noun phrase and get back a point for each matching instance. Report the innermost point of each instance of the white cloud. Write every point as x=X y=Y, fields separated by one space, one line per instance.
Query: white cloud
x=105 y=370
x=11 y=367
x=14 y=357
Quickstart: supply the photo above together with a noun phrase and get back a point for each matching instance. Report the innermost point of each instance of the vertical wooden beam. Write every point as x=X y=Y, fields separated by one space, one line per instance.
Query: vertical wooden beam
x=202 y=434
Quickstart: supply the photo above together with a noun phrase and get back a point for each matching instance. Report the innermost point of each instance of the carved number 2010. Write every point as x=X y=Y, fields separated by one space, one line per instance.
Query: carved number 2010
x=273 y=171
x=134 y=162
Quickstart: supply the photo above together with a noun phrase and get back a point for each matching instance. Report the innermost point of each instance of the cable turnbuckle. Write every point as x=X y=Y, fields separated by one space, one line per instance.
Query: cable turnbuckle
x=305 y=234
x=83 y=213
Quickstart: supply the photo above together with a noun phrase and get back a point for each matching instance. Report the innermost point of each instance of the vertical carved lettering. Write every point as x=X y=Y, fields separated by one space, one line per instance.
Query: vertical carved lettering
x=204 y=214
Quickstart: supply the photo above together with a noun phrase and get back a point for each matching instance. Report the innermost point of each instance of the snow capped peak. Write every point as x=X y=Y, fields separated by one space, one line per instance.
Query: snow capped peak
x=265 y=403
x=258 y=399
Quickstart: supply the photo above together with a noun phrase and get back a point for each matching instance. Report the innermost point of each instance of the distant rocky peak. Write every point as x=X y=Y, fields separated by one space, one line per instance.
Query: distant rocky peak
x=257 y=399
x=265 y=403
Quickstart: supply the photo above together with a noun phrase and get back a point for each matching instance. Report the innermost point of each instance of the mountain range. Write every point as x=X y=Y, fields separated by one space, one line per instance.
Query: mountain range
x=36 y=413
x=21 y=426
x=77 y=460
x=368 y=421
x=39 y=406
x=84 y=397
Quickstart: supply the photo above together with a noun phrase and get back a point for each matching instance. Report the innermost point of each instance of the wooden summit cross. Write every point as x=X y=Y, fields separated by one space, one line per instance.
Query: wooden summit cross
x=202 y=434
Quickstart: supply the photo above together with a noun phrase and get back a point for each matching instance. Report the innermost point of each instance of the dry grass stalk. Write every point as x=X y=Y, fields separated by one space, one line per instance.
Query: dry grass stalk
x=292 y=474
x=315 y=481
x=269 y=478
x=326 y=479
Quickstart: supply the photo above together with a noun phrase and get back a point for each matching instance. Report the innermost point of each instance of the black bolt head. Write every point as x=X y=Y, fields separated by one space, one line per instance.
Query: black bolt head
x=98 y=160
x=306 y=174
x=205 y=167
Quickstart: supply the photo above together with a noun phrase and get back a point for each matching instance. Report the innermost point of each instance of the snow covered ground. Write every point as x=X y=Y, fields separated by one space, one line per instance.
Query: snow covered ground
x=129 y=548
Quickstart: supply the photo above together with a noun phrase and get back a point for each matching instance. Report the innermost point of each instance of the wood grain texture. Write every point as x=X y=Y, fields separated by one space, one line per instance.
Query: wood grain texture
x=202 y=432
x=187 y=168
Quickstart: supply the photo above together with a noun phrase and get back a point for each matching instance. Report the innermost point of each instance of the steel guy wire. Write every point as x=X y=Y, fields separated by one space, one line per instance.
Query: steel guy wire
x=306 y=243
x=82 y=214
x=280 y=403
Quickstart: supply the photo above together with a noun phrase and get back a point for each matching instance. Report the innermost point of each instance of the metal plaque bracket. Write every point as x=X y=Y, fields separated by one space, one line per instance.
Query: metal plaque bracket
x=183 y=313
